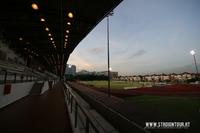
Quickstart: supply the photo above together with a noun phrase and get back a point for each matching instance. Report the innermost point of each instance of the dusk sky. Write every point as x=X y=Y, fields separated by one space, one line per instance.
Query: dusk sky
x=146 y=36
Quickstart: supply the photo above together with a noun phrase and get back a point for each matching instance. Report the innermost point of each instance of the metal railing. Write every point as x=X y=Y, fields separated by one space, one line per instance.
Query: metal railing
x=15 y=73
x=118 y=120
x=8 y=77
x=86 y=122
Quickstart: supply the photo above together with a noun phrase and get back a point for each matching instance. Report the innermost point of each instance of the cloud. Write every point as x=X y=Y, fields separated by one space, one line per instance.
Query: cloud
x=120 y=51
x=186 y=68
x=98 y=50
x=79 y=62
x=138 y=53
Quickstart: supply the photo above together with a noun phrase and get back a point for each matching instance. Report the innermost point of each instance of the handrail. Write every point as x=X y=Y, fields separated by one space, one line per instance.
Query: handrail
x=13 y=73
x=89 y=120
x=122 y=117
x=8 y=77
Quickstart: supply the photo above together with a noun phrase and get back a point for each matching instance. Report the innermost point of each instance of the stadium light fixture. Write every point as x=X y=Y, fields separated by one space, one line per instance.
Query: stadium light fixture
x=192 y=52
x=34 y=6
x=70 y=15
x=47 y=29
x=42 y=20
x=20 y=38
x=68 y=23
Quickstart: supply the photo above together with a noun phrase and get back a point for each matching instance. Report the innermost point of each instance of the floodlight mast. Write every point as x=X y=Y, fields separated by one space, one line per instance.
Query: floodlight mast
x=108 y=51
x=192 y=52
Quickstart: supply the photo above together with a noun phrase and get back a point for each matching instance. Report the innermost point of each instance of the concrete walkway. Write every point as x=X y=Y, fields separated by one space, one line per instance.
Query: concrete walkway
x=46 y=113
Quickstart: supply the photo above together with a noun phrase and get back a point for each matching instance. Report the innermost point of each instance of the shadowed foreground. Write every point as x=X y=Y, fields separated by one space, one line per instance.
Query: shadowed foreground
x=46 y=113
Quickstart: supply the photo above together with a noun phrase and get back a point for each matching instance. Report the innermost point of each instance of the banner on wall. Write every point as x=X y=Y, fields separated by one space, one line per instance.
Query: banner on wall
x=7 y=89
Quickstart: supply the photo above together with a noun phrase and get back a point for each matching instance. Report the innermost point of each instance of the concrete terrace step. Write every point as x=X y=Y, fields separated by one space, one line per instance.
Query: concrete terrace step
x=36 y=89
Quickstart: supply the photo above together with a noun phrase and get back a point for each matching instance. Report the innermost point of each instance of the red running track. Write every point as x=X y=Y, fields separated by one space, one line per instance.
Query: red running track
x=174 y=90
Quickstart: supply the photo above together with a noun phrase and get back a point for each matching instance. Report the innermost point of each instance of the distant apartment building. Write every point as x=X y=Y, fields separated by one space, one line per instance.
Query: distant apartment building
x=187 y=75
x=70 y=70
x=158 y=77
x=104 y=73
x=112 y=74
x=148 y=78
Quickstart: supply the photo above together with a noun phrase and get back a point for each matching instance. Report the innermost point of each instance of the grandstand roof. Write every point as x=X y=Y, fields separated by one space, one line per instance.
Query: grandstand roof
x=46 y=30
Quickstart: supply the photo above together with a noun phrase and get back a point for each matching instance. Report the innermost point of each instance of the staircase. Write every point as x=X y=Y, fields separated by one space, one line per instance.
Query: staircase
x=36 y=89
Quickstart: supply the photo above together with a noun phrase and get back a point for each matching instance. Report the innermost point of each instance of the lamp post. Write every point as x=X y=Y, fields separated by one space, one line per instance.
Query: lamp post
x=108 y=51
x=192 y=52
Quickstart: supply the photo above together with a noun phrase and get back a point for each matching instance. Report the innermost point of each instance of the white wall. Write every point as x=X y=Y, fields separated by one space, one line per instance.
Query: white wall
x=18 y=90
x=45 y=87
x=54 y=82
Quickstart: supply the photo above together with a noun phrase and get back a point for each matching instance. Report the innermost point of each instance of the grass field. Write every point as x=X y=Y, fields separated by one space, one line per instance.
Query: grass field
x=114 y=84
x=169 y=104
x=169 y=108
x=157 y=107
x=164 y=108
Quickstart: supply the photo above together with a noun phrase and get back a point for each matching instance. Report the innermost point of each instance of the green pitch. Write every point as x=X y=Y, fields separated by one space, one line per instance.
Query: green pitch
x=169 y=108
x=114 y=84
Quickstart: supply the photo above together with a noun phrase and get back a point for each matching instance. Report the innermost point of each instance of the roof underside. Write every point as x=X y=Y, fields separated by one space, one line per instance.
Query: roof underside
x=21 y=26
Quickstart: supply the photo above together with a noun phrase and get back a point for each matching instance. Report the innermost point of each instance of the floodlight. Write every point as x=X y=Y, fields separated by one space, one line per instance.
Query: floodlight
x=192 y=52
